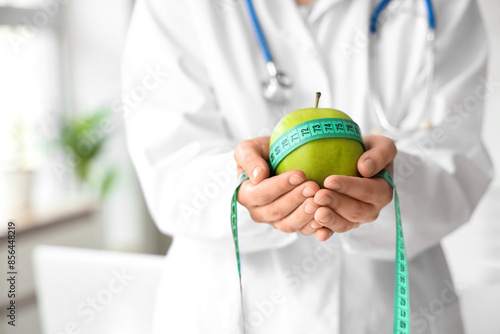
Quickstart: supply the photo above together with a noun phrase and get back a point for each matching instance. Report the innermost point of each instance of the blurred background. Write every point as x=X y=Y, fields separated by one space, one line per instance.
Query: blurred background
x=66 y=178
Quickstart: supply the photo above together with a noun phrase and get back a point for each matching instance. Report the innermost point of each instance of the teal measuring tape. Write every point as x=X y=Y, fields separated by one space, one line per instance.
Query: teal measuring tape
x=309 y=131
x=336 y=128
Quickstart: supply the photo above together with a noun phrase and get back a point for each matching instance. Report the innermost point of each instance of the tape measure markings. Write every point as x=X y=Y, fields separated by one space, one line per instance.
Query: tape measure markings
x=309 y=131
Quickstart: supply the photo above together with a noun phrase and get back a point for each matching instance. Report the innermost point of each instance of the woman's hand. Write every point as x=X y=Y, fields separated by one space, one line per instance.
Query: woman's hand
x=348 y=202
x=290 y=204
x=285 y=201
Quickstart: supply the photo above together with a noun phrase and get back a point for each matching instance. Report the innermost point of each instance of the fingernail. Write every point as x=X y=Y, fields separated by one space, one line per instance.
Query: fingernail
x=326 y=219
x=309 y=209
x=325 y=200
x=295 y=180
x=334 y=185
x=330 y=234
x=257 y=171
x=308 y=192
x=314 y=224
x=370 y=167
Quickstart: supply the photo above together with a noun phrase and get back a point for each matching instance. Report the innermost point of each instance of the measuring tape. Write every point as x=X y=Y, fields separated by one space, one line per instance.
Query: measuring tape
x=336 y=128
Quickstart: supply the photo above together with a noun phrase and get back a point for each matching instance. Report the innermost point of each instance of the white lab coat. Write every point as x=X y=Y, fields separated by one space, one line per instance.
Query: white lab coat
x=192 y=92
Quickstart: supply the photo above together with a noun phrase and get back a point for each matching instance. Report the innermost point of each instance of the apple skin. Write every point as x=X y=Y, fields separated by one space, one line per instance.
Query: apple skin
x=319 y=158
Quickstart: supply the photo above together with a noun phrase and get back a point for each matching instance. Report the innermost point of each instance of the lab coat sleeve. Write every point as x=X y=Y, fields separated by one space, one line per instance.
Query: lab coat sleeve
x=177 y=138
x=441 y=173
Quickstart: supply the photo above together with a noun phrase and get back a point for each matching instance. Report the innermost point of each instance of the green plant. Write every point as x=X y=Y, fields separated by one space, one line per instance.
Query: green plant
x=84 y=138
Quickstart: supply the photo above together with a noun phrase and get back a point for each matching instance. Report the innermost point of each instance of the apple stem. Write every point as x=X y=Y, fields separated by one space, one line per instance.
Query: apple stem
x=318 y=95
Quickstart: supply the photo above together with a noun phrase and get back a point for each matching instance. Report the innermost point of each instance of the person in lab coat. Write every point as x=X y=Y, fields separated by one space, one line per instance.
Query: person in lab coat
x=193 y=104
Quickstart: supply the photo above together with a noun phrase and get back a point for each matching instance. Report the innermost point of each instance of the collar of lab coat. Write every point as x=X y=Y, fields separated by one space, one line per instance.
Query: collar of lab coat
x=320 y=7
x=287 y=10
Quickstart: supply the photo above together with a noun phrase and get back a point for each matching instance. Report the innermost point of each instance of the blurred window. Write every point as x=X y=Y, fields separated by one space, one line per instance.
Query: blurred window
x=30 y=78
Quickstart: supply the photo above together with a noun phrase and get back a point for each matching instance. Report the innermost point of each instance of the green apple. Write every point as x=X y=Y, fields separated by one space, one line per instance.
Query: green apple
x=319 y=158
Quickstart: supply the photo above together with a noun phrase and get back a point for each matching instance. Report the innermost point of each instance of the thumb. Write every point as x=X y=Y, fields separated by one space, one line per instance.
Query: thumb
x=380 y=152
x=257 y=169
x=251 y=157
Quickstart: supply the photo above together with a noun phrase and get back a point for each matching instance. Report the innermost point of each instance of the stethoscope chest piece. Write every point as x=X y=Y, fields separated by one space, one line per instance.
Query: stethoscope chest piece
x=277 y=89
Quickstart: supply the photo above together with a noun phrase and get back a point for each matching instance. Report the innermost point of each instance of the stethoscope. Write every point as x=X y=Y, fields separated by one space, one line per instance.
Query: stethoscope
x=277 y=88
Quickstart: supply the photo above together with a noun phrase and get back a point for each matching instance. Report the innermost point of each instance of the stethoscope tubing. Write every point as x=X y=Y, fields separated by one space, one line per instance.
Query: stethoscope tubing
x=257 y=28
x=384 y=3
x=274 y=89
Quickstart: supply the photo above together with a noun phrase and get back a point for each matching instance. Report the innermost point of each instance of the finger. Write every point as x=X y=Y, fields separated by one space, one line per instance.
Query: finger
x=333 y=221
x=380 y=152
x=373 y=190
x=323 y=234
x=349 y=208
x=285 y=204
x=270 y=189
x=308 y=228
x=251 y=156
x=298 y=218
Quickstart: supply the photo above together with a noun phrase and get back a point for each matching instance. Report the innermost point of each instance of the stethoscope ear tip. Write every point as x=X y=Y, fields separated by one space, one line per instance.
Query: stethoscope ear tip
x=284 y=80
